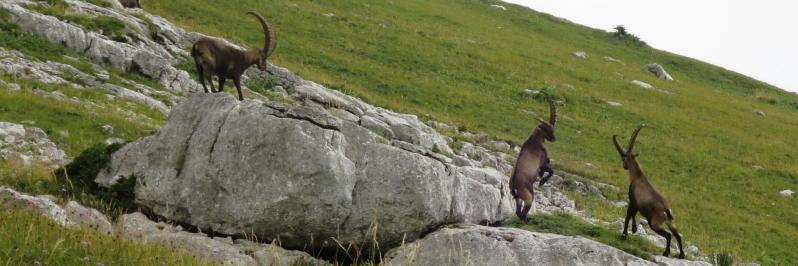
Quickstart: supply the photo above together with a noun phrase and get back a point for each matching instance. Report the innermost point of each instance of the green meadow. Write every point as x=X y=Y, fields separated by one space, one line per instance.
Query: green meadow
x=468 y=64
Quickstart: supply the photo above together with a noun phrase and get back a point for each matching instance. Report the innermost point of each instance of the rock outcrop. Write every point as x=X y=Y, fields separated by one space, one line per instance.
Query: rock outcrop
x=480 y=245
x=223 y=251
x=29 y=146
x=142 y=55
x=73 y=215
x=234 y=167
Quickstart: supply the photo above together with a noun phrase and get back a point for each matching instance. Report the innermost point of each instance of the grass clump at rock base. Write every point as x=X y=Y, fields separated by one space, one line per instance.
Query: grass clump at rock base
x=32 y=239
x=566 y=224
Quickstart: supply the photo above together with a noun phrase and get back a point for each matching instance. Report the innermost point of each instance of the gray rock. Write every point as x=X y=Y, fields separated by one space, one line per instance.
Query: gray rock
x=88 y=218
x=479 y=245
x=760 y=113
x=580 y=54
x=463 y=161
x=13 y=87
x=663 y=261
x=619 y=204
x=658 y=70
x=235 y=167
x=10 y=198
x=108 y=129
x=112 y=141
x=30 y=145
x=642 y=84
x=787 y=193
x=503 y=8
x=611 y=59
x=614 y=104
x=377 y=126
x=273 y=254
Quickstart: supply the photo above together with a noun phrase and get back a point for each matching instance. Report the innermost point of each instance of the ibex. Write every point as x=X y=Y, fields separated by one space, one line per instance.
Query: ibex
x=214 y=57
x=533 y=155
x=545 y=168
x=130 y=3
x=645 y=199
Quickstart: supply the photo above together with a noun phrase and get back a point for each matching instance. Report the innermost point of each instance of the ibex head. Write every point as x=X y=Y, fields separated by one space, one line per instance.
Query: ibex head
x=269 y=45
x=628 y=156
x=548 y=127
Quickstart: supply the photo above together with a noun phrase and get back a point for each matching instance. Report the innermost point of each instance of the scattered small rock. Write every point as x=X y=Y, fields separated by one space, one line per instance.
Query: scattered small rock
x=658 y=70
x=108 y=129
x=757 y=168
x=614 y=104
x=329 y=15
x=619 y=204
x=610 y=59
x=499 y=7
x=112 y=141
x=691 y=250
x=642 y=84
x=13 y=87
x=580 y=54
x=787 y=193
x=759 y=113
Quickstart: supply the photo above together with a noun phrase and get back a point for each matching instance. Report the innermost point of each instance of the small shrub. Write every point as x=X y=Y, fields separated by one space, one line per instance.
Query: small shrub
x=82 y=171
x=78 y=179
x=623 y=35
x=723 y=259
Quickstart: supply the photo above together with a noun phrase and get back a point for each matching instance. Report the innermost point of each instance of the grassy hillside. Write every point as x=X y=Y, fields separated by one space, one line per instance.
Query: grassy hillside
x=466 y=63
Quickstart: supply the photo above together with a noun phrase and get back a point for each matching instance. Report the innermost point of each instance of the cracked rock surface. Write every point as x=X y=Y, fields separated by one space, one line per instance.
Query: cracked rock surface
x=235 y=167
x=479 y=245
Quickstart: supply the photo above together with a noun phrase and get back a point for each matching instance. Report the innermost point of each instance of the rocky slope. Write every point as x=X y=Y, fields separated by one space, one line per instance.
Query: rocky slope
x=328 y=163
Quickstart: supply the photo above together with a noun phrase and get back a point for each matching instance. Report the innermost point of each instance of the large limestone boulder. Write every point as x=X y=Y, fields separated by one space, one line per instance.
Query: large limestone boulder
x=297 y=173
x=480 y=245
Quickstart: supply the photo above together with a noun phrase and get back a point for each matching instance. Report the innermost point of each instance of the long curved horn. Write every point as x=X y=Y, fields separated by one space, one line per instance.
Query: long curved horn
x=269 y=34
x=552 y=112
x=618 y=146
x=634 y=138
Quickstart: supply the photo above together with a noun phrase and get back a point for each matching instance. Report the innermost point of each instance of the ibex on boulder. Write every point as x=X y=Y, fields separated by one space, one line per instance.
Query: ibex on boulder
x=645 y=199
x=130 y=3
x=214 y=57
x=533 y=155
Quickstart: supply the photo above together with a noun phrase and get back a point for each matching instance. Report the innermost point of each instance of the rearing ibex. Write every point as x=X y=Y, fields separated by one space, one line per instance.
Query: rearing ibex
x=532 y=156
x=214 y=57
x=645 y=199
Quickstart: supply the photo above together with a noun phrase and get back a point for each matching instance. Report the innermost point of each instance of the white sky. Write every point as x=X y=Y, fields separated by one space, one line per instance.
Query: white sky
x=755 y=38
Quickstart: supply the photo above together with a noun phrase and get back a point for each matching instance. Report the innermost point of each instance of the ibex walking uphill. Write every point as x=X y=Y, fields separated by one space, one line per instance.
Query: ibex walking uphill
x=645 y=199
x=214 y=57
x=532 y=157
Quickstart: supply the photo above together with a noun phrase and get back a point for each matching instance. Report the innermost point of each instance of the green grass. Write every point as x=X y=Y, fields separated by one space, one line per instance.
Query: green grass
x=565 y=224
x=30 y=237
x=465 y=63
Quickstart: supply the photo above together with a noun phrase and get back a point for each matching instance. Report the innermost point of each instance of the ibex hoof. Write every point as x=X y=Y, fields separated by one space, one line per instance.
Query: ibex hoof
x=681 y=256
x=624 y=237
x=666 y=254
